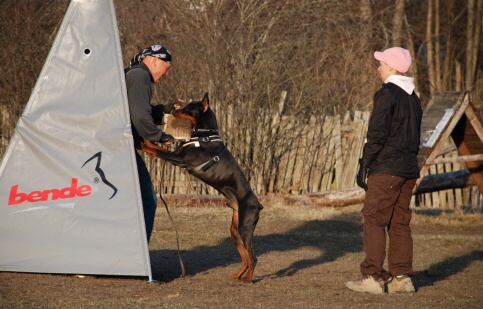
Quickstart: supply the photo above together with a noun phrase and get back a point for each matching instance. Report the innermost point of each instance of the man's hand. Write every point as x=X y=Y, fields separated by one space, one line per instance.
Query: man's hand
x=362 y=175
x=165 y=137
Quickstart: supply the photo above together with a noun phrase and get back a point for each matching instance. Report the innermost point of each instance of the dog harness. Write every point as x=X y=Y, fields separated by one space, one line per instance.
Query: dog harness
x=204 y=166
x=204 y=139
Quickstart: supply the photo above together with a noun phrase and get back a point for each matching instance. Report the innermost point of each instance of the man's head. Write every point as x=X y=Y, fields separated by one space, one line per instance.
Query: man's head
x=157 y=67
x=394 y=60
x=157 y=58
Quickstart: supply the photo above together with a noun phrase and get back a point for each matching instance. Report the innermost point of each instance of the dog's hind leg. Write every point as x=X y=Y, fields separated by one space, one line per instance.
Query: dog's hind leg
x=247 y=229
x=252 y=261
x=237 y=239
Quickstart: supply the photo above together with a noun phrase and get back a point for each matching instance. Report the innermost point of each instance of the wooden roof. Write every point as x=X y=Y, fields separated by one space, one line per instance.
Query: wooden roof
x=451 y=114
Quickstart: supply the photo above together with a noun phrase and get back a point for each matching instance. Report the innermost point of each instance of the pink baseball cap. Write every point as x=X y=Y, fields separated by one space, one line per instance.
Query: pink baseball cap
x=396 y=57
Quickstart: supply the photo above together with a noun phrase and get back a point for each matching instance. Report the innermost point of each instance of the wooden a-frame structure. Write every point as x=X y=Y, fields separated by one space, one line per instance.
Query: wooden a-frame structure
x=451 y=114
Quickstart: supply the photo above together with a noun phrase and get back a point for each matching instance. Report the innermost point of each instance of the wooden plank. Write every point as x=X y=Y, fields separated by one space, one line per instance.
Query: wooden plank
x=160 y=180
x=476 y=200
x=337 y=153
x=347 y=140
x=475 y=122
x=298 y=164
x=183 y=181
x=352 y=153
x=443 y=137
x=466 y=197
x=365 y=119
x=319 y=155
x=257 y=168
x=458 y=192
x=286 y=159
x=451 y=159
x=476 y=168
x=313 y=170
x=435 y=200
x=334 y=157
x=274 y=150
x=432 y=116
x=449 y=193
x=442 y=194
x=327 y=152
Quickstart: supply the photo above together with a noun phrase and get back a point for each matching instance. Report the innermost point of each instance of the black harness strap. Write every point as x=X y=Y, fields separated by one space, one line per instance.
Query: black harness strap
x=204 y=139
x=203 y=167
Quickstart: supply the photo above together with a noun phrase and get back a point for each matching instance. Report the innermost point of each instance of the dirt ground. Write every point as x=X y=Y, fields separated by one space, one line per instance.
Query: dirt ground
x=305 y=256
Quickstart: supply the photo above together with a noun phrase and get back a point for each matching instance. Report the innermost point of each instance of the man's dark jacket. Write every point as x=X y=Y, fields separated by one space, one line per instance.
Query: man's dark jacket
x=393 y=134
x=144 y=116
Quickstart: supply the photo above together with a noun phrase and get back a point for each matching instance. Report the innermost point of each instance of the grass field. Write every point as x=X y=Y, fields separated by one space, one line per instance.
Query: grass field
x=305 y=256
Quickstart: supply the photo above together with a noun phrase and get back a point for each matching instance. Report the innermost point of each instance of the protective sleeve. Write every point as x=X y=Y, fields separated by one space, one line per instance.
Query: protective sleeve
x=158 y=113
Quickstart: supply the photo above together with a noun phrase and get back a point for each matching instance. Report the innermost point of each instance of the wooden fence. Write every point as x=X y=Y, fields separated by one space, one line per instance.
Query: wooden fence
x=322 y=155
x=319 y=156
x=290 y=155
x=467 y=199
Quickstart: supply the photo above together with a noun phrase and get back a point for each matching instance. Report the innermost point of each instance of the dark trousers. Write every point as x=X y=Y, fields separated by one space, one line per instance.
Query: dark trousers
x=148 y=195
x=386 y=205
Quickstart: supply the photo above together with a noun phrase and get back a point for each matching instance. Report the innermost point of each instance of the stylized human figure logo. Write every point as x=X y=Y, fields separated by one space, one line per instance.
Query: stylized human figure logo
x=101 y=172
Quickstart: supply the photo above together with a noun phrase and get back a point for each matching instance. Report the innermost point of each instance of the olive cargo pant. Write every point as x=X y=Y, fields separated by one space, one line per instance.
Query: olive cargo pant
x=386 y=205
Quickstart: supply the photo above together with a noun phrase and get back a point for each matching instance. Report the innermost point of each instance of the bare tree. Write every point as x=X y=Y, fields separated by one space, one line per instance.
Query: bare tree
x=366 y=47
x=472 y=41
x=430 y=49
x=27 y=30
x=448 y=61
x=397 y=25
x=437 y=47
x=251 y=55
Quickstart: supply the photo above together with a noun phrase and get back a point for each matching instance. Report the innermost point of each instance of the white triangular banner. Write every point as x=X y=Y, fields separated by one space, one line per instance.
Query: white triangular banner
x=69 y=190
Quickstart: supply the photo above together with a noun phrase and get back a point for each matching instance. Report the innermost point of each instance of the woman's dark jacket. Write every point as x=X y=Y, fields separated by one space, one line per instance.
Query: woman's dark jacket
x=393 y=134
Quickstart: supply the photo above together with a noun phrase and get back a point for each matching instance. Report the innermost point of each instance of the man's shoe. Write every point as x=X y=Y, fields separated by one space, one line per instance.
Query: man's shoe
x=367 y=284
x=400 y=284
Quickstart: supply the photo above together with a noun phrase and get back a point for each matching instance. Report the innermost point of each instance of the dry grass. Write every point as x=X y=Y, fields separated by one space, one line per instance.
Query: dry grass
x=305 y=256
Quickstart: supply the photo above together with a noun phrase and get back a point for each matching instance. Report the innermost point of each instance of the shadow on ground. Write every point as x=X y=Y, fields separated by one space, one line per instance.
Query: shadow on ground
x=444 y=269
x=333 y=238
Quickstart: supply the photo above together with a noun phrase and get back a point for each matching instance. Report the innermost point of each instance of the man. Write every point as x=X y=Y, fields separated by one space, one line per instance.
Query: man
x=147 y=67
x=389 y=162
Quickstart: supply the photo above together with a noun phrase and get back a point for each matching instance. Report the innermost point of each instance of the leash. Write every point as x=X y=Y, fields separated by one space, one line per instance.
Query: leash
x=183 y=271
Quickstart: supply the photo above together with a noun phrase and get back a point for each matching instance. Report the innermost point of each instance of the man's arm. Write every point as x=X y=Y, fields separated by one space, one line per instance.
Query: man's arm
x=139 y=94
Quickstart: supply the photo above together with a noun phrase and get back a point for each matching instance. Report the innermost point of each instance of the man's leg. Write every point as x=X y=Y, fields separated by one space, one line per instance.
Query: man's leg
x=148 y=195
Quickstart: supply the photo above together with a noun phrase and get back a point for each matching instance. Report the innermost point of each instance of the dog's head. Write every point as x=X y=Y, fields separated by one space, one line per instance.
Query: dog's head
x=199 y=113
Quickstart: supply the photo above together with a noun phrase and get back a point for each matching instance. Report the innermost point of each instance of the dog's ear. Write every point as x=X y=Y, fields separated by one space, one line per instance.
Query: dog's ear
x=205 y=102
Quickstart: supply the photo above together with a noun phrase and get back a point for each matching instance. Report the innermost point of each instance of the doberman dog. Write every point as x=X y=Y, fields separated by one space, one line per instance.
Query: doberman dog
x=206 y=157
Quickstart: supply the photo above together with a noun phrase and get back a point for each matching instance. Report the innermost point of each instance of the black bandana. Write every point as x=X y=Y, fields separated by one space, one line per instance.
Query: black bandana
x=154 y=51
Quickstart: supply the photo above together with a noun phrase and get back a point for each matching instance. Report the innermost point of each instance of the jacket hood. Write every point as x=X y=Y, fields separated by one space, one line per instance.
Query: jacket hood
x=404 y=82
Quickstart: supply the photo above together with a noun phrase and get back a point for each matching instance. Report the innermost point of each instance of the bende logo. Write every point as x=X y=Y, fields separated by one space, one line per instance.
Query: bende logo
x=17 y=197
x=74 y=190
